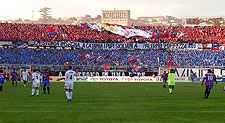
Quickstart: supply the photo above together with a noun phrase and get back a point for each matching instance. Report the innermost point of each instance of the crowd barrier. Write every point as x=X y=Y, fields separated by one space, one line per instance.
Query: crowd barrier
x=129 y=79
x=121 y=79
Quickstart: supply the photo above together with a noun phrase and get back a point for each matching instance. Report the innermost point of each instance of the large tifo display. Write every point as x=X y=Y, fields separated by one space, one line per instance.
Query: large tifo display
x=78 y=45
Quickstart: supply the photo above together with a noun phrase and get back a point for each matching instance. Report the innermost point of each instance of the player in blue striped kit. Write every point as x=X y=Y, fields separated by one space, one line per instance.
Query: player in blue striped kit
x=164 y=77
x=46 y=82
x=14 y=77
x=2 y=79
x=210 y=79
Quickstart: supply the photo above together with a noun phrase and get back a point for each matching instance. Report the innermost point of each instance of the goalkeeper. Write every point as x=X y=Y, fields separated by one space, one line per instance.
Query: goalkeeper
x=171 y=80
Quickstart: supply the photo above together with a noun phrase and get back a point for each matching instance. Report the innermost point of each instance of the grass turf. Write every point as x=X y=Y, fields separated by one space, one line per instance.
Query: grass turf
x=113 y=102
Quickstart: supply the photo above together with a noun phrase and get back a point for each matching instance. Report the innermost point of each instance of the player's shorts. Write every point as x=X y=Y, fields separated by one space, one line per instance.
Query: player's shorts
x=36 y=84
x=24 y=79
x=14 y=79
x=68 y=85
x=45 y=82
x=208 y=86
x=171 y=82
x=1 y=81
x=164 y=80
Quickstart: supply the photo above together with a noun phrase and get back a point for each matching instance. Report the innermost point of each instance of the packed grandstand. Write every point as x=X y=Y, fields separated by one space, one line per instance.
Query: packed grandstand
x=38 y=32
x=185 y=58
x=84 y=33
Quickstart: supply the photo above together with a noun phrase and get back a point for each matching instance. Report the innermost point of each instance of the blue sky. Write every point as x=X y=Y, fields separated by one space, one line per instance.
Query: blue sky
x=14 y=9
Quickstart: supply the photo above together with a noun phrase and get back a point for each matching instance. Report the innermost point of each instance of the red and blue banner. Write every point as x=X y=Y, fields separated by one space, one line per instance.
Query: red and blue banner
x=53 y=30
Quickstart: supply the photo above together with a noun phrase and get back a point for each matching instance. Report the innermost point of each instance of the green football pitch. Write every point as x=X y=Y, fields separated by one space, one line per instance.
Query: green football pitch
x=113 y=102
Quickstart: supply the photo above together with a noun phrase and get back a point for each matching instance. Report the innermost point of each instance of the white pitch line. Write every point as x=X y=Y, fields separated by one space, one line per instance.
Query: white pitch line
x=20 y=111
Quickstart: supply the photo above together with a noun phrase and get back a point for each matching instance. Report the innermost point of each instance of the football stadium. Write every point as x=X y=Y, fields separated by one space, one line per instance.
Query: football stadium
x=124 y=65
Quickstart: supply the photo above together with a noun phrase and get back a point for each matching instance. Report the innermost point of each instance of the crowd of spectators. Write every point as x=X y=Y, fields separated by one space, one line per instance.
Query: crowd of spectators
x=187 y=58
x=38 y=32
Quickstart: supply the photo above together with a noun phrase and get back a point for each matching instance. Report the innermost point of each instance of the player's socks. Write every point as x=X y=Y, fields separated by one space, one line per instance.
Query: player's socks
x=67 y=95
x=44 y=90
x=170 y=90
x=71 y=93
x=206 y=91
x=33 y=90
x=0 y=87
x=13 y=83
x=48 y=90
x=16 y=84
x=37 y=92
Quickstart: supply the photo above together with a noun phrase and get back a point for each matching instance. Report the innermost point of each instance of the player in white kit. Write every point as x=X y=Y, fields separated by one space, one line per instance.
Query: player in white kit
x=24 y=77
x=36 y=78
x=69 y=79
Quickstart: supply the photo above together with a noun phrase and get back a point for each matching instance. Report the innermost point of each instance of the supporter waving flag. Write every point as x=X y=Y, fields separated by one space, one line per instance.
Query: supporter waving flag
x=179 y=34
x=81 y=25
x=150 y=33
x=170 y=64
x=135 y=59
x=107 y=67
x=89 y=24
x=130 y=60
x=135 y=66
x=101 y=68
x=87 y=56
x=98 y=59
x=173 y=32
x=53 y=30
x=60 y=56
x=96 y=27
x=80 y=57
